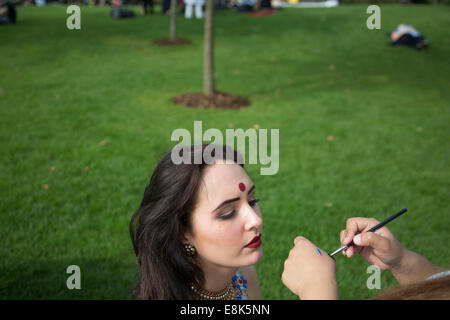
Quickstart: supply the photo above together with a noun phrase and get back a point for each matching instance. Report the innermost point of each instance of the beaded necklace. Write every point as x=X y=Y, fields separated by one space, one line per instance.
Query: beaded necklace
x=241 y=285
x=235 y=290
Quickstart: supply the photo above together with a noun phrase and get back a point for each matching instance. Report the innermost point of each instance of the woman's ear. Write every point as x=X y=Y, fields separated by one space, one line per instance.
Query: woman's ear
x=187 y=238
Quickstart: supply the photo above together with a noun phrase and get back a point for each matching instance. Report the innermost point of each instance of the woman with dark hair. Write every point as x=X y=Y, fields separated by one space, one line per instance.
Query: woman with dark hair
x=197 y=232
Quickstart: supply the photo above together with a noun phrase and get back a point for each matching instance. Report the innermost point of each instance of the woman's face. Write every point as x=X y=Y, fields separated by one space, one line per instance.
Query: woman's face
x=226 y=218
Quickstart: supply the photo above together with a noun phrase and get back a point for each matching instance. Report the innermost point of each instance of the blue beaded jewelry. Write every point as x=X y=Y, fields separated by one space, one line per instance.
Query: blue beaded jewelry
x=241 y=284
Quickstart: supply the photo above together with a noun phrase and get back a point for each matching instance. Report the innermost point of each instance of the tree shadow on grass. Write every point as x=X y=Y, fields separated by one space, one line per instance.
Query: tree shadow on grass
x=100 y=279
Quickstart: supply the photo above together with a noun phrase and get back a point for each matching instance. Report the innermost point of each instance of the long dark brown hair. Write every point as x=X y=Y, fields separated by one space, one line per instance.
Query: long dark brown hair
x=158 y=227
x=435 y=289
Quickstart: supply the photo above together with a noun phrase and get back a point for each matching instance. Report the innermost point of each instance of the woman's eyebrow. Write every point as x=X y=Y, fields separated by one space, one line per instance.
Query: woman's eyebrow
x=225 y=203
x=232 y=200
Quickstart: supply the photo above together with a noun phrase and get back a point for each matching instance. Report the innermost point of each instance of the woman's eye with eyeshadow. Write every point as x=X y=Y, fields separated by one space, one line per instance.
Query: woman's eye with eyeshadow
x=227 y=216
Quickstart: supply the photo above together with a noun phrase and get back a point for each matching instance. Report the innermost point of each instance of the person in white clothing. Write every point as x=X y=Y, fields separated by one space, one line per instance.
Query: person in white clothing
x=190 y=6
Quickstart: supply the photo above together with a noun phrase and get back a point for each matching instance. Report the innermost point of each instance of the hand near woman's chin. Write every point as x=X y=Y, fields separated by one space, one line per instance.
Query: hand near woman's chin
x=309 y=272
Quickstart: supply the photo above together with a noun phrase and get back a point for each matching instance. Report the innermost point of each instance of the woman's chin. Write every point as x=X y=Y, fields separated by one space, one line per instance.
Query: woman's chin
x=256 y=255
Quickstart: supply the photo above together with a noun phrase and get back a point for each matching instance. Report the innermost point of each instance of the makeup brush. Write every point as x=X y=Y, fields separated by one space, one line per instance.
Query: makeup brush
x=373 y=229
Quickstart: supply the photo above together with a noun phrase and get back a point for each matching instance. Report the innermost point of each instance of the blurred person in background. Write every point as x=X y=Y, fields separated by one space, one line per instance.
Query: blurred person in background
x=145 y=4
x=190 y=4
x=409 y=36
x=8 y=12
x=252 y=5
x=166 y=7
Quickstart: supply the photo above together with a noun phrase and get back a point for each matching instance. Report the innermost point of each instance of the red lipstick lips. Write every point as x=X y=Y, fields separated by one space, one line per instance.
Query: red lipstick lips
x=255 y=243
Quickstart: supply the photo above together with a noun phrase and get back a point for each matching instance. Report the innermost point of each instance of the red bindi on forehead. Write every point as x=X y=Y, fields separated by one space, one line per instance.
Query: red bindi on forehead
x=242 y=187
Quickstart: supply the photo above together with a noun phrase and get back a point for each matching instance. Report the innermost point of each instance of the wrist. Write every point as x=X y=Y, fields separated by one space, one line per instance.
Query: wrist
x=402 y=270
x=320 y=291
x=413 y=268
x=403 y=261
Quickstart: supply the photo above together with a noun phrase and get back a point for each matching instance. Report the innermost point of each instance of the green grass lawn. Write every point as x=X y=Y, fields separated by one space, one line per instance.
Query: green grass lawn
x=312 y=73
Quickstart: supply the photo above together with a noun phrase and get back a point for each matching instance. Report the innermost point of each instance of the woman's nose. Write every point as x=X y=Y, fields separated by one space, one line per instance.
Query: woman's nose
x=253 y=218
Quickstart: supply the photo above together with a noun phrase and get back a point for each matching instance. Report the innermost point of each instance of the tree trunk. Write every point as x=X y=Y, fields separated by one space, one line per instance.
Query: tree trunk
x=173 y=20
x=208 y=50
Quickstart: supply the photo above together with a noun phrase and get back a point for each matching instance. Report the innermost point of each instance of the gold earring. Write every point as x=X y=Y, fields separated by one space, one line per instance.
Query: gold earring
x=189 y=249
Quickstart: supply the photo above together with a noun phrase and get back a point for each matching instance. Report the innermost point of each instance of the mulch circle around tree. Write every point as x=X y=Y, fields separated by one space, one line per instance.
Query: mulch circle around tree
x=169 y=43
x=219 y=100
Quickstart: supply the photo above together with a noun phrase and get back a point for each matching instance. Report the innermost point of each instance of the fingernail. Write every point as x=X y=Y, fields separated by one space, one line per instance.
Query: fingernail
x=357 y=239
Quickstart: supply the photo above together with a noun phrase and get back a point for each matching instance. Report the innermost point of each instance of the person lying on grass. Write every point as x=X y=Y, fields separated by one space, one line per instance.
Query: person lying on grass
x=409 y=36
